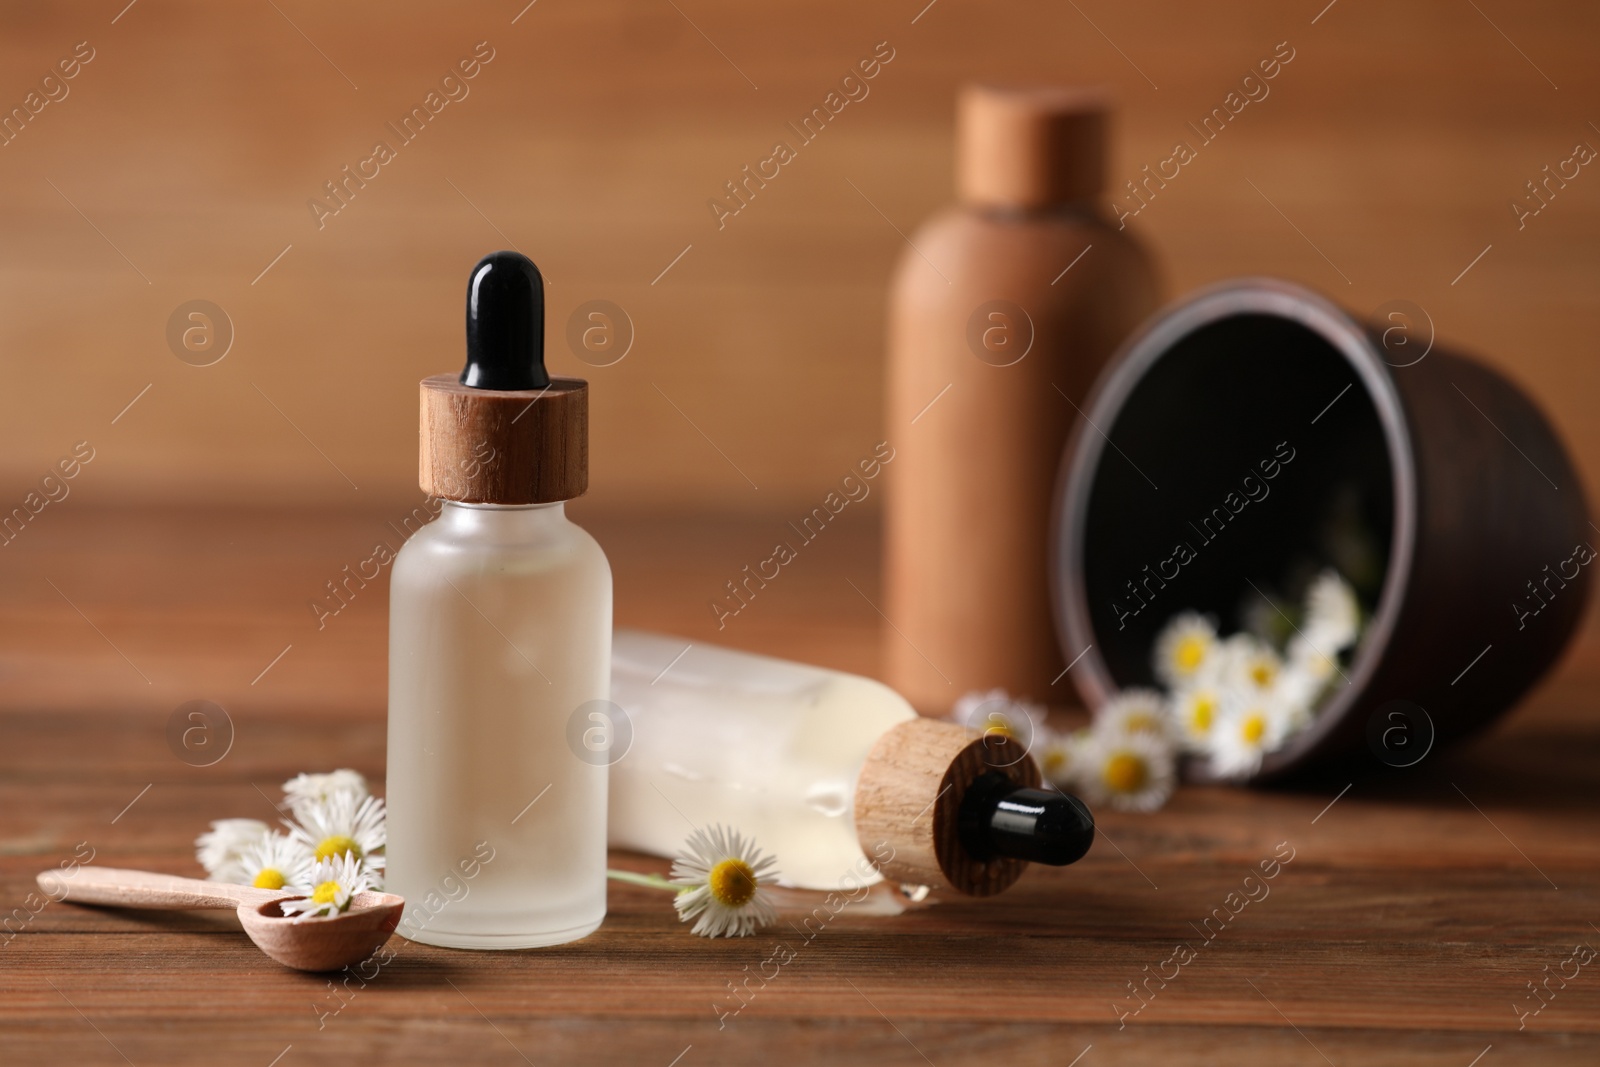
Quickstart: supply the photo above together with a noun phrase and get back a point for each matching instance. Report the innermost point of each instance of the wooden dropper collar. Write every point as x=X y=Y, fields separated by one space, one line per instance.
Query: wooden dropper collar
x=917 y=793
x=513 y=446
x=504 y=431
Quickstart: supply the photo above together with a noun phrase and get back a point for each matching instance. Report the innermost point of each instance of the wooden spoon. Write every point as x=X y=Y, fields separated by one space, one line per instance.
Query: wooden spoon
x=321 y=944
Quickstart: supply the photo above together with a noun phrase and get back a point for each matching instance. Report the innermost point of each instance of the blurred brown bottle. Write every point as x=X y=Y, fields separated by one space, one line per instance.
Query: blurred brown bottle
x=1001 y=314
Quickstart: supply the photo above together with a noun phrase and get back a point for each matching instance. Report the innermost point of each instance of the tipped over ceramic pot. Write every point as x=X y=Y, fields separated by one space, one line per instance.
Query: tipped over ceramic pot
x=1255 y=432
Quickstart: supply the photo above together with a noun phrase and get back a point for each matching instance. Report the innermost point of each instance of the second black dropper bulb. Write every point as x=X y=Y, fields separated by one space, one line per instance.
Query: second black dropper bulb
x=998 y=817
x=505 y=324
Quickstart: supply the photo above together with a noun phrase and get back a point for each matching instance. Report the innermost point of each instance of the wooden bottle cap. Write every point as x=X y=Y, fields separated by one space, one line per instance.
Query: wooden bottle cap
x=1029 y=147
x=909 y=795
x=492 y=446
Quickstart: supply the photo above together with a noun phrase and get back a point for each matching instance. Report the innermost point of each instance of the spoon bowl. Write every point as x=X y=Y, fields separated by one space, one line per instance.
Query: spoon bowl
x=323 y=944
x=315 y=944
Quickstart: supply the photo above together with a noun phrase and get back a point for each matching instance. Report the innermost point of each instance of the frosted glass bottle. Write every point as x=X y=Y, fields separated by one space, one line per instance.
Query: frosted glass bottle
x=499 y=643
x=499 y=621
x=769 y=746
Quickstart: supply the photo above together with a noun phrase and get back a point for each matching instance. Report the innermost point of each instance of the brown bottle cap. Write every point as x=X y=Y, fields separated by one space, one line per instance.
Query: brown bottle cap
x=504 y=431
x=504 y=446
x=908 y=801
x=1029 y=147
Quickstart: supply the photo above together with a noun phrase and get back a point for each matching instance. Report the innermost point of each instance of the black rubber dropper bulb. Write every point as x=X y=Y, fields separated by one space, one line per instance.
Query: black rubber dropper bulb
x=505 y=324
x=1000 y=818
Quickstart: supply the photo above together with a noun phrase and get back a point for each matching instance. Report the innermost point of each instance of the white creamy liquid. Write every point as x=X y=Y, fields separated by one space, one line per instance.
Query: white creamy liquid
x=768 y=747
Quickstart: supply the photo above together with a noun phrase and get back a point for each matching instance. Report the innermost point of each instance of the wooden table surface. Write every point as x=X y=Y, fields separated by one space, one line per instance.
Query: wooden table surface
x=1407 y=926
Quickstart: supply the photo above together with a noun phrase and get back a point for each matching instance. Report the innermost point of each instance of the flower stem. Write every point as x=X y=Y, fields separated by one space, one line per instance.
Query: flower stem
x=652 y=881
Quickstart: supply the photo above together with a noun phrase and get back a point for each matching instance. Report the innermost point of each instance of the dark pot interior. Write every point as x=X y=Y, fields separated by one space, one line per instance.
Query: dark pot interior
x=1200 y=423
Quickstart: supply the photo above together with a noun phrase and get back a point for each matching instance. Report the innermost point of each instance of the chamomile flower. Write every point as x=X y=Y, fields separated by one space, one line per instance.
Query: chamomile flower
x=343 y=823
x=1185 y=648
x=996 y=712
x=303 y=789
x=1133 y=772
x=1133 y=711
x=1195 y=712
x=1333 y=615
x=219 y=849
x=1307 y=674
x=722 y=876
x=1060 y=755
x=277 y=861
x=1296 y=716
x=1253 y=726
x=334 y=883
x=1250 y=664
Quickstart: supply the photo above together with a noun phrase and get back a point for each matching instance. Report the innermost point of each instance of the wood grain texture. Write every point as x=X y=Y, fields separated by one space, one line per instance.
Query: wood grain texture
x=1413 y=913
x=492 y=446
x=908 y=802
x=115 y=887
x=594 y=140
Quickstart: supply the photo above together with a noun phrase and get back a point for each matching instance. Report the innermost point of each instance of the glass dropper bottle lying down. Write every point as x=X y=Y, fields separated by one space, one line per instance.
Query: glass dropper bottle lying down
x=833 y=773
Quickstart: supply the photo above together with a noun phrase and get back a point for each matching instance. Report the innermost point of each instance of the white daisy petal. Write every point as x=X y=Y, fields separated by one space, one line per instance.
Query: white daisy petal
x=219 y=849
x=1333 y=615
x=1319 y=661
x=1309 y=672
x=723 y=876
x=334 y=882
x=1132 y=772
x=1185 y=648
x=1249 y=664
x=1254 y=725
x=1133 y=711
x=1299 y=687
x=277 y=861
x=305 y=788
x=344 y=823
x=1060 y=756
x=997 y=712
x=1194 y=712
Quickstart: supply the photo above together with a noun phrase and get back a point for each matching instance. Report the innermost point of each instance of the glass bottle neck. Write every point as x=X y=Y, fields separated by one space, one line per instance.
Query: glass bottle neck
x=508 y=522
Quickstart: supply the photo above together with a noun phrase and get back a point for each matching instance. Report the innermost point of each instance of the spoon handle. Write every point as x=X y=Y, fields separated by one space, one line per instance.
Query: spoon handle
x=147 y=889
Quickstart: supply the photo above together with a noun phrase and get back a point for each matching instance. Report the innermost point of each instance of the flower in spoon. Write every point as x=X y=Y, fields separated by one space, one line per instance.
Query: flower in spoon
x=334 y=883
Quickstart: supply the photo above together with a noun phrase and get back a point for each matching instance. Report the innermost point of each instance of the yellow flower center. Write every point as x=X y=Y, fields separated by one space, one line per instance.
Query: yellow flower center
x=1253 y=729
x=997 y=724
x=1191 y=651
x=326 y=893
x=1201 y=713
x=732 y=883
x=269 y=878
x=1142 y=723
x=1054 y=760
x=1261 y=673
x=1125 y=773
x=338 y=845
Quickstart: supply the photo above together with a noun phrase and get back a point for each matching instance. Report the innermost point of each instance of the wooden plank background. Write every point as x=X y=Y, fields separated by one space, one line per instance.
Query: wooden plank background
x=181 y=162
